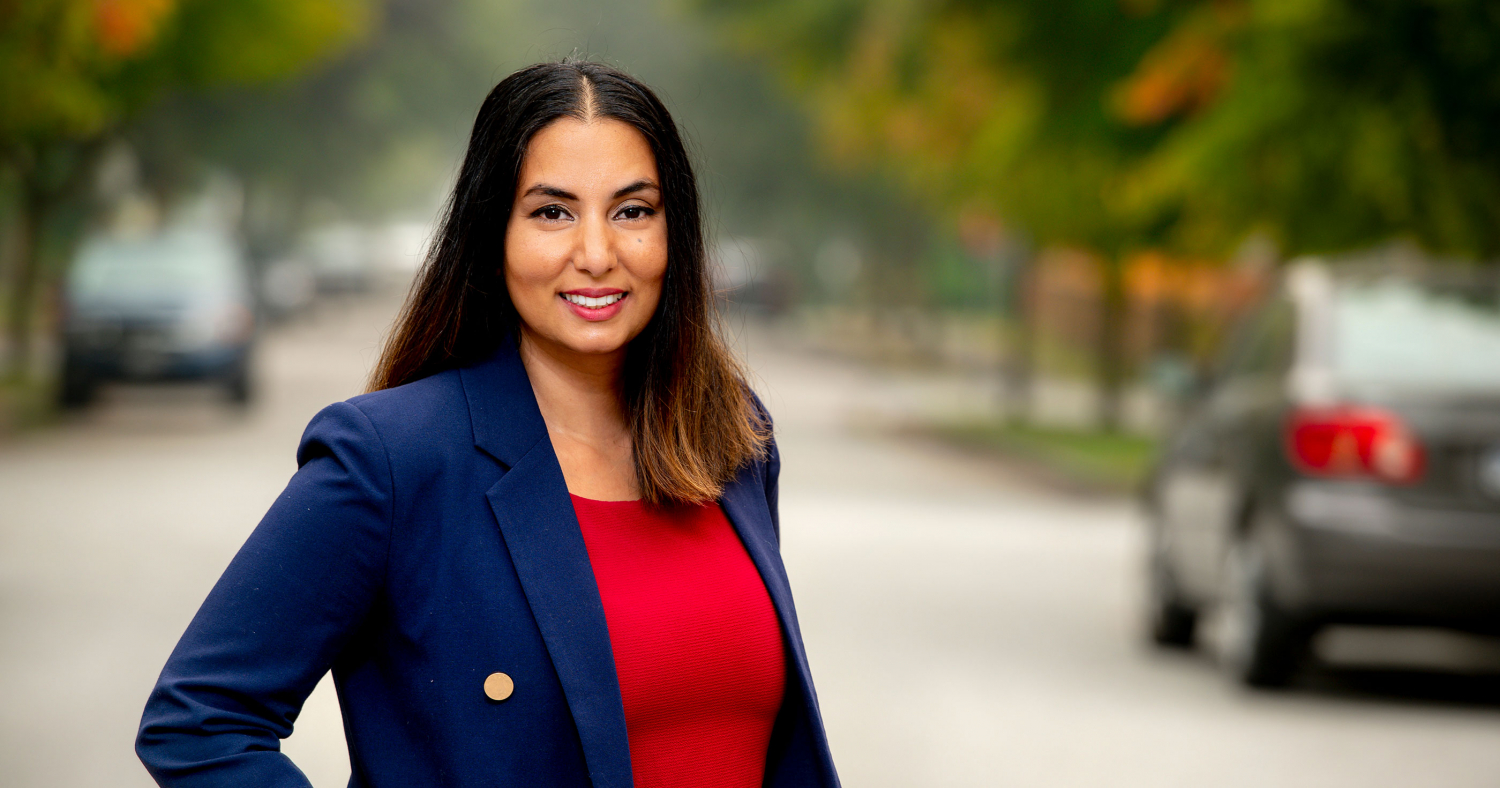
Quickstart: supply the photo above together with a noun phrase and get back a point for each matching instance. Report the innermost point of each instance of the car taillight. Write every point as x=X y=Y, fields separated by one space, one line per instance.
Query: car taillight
x=1349 y=441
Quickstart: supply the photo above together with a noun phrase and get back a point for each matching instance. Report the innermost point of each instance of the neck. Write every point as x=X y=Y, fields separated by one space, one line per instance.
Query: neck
x=579 y=394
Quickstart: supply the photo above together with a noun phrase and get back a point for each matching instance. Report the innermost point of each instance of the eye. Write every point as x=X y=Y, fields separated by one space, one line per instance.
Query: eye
x=635 y=212
x=550 y=213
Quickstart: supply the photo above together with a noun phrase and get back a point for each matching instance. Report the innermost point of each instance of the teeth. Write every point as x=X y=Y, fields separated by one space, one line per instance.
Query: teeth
x=593 y=303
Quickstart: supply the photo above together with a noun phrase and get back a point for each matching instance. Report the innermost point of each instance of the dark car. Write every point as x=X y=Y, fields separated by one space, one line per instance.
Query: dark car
x=1343 y=466
x=171 y=306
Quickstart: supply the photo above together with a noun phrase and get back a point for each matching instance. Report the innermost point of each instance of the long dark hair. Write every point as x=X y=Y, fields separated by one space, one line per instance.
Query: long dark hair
x=693 y=423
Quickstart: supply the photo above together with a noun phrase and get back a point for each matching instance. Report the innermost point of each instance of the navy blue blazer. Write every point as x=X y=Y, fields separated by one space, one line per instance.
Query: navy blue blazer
x=426 y=541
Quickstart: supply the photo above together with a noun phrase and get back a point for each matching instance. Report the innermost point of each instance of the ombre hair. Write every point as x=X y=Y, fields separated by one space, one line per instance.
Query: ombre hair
x=693 y=422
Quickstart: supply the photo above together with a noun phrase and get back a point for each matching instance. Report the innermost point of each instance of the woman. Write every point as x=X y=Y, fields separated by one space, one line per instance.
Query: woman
x=543 y=551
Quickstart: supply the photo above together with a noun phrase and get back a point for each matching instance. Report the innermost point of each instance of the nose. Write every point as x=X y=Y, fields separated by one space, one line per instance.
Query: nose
x=595 y=254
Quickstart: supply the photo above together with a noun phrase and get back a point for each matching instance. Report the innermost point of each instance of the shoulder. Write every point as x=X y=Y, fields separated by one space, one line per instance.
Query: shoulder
x=767 y=462
x=763 y=415
x=433 y=407
x=759 y=406
x=417 y=418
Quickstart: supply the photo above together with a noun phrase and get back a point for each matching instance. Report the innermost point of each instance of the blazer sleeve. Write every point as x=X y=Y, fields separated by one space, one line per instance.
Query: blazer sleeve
x=278 y=617
x=772 y=464
x=773 y=487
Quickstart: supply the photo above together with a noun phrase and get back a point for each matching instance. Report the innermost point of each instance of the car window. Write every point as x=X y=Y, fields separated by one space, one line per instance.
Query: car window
x=175 y=265
x=1409 y=334
x=1265 y=348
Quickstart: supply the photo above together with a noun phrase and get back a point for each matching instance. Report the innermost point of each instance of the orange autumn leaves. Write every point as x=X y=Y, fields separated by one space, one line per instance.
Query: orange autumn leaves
x=1184 y=72
x=126 y=27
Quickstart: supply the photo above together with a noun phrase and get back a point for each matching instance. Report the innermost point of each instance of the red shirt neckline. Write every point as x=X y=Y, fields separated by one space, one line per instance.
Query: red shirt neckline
x=578 y=497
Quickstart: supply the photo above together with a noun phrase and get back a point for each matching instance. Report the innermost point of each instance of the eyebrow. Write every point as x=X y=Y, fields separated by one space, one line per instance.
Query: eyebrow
x=550 y=191
x=563 y=194
x=639 y=185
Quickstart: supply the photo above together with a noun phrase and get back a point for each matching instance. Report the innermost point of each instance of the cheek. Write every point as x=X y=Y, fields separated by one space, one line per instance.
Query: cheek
x=529 y=264
x=649 y=263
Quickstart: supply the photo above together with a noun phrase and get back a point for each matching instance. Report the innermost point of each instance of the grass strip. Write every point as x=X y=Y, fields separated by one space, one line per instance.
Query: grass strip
x=1113 y=462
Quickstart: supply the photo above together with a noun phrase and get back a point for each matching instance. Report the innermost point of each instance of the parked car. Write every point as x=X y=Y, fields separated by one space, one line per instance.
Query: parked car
x=1342 y=466
x=340 y=259
x=172 y=306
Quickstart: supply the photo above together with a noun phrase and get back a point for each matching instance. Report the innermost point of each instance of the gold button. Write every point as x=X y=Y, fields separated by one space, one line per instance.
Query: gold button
x=498 y=686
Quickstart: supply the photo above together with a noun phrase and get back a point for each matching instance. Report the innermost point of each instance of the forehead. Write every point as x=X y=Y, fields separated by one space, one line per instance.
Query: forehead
x=573 y=153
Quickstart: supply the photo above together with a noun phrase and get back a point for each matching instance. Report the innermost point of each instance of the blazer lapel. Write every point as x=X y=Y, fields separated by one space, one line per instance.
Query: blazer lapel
x=744 y=503
x=536 y=519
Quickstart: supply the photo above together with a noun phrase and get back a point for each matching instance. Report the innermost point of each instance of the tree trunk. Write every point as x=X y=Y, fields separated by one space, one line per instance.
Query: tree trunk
x=1110 y=343
x=50 y=175
x=21 y=306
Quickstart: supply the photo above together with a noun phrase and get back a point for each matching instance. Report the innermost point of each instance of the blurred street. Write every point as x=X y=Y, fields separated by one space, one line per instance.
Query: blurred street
x=967 y=627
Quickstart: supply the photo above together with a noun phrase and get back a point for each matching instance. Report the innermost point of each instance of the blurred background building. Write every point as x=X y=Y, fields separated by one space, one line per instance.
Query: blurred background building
x=1014 y=239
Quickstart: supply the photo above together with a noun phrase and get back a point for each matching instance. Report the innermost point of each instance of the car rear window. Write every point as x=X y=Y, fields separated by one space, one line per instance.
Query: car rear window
x=185 y=264
x=1411 y=334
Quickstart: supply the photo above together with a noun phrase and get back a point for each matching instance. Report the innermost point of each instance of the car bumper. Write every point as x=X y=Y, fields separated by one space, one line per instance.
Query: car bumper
x=159 y=365
x=1353 y=554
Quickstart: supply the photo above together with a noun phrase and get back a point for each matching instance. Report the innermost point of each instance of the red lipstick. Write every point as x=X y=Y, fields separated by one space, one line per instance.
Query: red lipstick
x=593 y=309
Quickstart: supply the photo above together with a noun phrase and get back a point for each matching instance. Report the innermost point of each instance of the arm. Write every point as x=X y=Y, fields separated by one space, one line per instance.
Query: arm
x=277 y=618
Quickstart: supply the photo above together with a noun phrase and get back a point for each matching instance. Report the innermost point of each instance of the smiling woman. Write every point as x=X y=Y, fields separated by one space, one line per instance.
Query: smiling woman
x=600 y=202
x=544 y=549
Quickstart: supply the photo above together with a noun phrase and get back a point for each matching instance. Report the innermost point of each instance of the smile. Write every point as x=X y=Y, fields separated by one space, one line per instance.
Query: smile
x=593 y=303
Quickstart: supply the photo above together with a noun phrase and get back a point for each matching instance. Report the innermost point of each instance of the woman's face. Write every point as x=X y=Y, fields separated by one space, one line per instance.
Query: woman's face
x=586 y=244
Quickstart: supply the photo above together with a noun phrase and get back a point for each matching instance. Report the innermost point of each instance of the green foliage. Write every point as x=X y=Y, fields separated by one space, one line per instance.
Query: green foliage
x=76 y=68
x=997 y=106
x=220 y=42
x=1328 y=124
x=352 y=131
x=51 y=60
x=1345 y=122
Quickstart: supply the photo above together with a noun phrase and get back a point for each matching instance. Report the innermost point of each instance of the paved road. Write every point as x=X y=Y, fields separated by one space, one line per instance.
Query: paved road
x=966 y=627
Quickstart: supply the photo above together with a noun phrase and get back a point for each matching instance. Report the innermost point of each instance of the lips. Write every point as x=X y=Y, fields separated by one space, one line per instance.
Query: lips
x=593 y=292
x=595 y=303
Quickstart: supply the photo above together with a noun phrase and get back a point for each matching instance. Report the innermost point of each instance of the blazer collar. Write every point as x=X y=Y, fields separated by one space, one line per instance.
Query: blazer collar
x=502 y=407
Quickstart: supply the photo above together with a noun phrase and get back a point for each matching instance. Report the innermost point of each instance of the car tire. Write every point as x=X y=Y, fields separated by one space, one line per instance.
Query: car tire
x=238 y=385
x=1171 y=622
x=1263 y=644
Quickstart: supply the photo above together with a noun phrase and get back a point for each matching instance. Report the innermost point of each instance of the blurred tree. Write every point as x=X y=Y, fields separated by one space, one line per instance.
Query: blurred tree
x=1326 y=124
x=77 y=69
x=992 y=108
x=372 y=134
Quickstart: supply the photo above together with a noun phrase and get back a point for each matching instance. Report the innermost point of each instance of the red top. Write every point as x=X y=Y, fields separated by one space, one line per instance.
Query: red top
x=697 y=646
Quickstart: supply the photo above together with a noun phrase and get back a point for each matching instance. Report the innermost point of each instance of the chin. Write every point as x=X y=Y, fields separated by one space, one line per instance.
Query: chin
x=595 y=345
